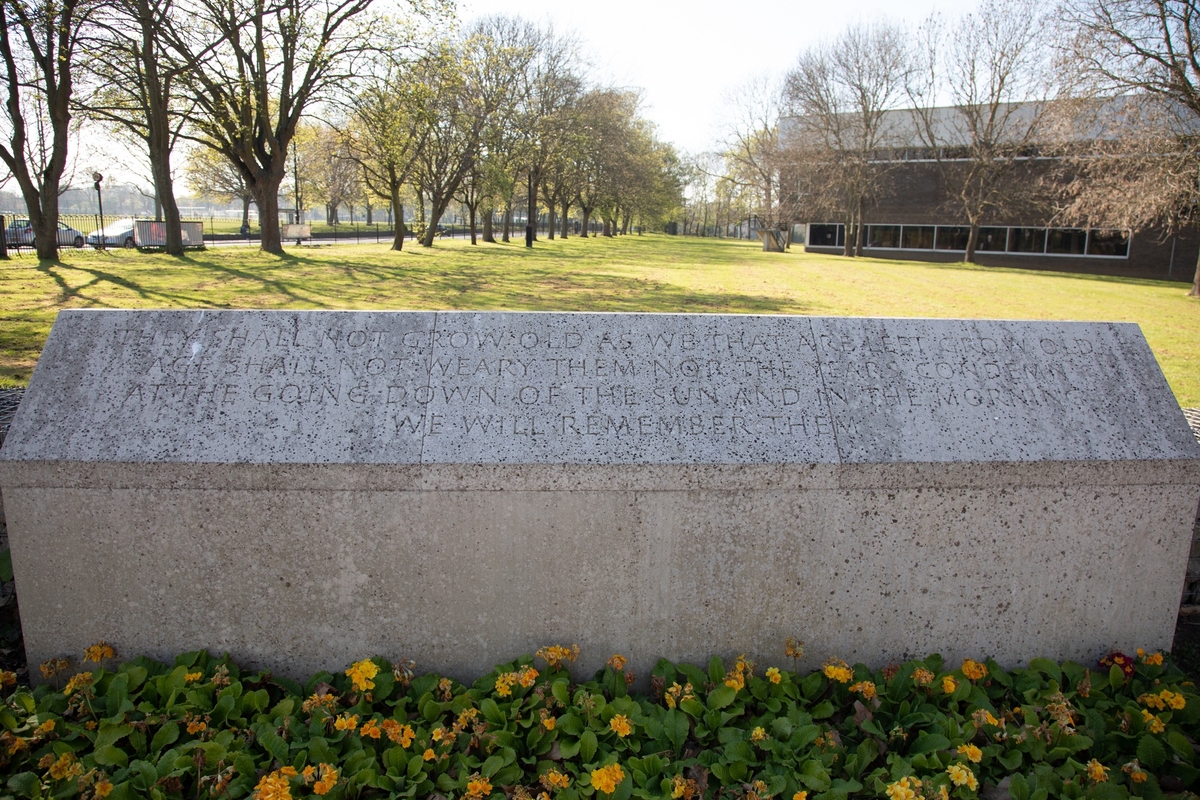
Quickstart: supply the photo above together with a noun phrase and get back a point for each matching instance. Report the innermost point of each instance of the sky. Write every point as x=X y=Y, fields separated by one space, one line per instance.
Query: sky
x=688 y=57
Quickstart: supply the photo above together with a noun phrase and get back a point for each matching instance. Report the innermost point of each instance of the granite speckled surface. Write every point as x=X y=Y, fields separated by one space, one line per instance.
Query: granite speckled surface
x=303 y=489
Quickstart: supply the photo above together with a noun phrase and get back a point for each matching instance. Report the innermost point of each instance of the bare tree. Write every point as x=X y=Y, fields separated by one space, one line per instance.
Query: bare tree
x=992 y=66
x=211 y=174
x=38 y=43
x=1151 y=162
x=751 y=149
x=136 y=91
x=271 y=62
x=840 y=93
x=389 y=129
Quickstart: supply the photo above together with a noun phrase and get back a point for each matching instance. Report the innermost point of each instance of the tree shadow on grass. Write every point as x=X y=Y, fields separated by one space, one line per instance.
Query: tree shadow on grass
x=68 y=292
x=268 y=284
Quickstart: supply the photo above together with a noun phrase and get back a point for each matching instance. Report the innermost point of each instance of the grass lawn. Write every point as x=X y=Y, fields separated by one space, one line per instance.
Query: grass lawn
x=635 y=273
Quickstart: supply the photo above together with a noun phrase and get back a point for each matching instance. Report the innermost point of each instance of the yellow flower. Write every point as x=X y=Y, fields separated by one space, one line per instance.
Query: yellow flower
x=962 y=776
x=361 y=673
x=617 y=662
x=82 y=680
x=289 y=771
x=8 y=678
x=800 y=796
x=555 y=780
x=400 y=734
x=620 y=725
x=196 y=726
x=103 y=788
x=549 y=722
x=98 y=652
x=758 y=735
x=429 y=755
x=554 y=655
x=794 y=649
x=838 y=670
x=527 y=677
x=308 y=774
x=53 y=667
x=865 y=688
x=1154 y=659
x=1176 y=700
x=327 y=779
x=949 y=684
x=371 y=729
x=973 y=670
x=904 y=789
x=1097 y=771
x=1153 y=723
x=606 y=779
x=192 y=677
x=735 y=681
x=773 y=675
x=973 y=753
x=438 y=734
x=504 y=683
x=273 y=786
x=346 y=722
x=64 y=767
x=478 y=786
x=922 y=676
x=44 y=728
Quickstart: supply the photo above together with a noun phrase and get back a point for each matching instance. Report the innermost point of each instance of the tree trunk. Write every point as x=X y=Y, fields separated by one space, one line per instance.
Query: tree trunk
x=158 y=132
x=1195 y=292
x=628 y=218
x=507 y=221
x=246 y=212
x=552 y=218
x=532 y=206
x=471 y=209
x=587 y=220
x=972 y=243
x=848 y=240
x=397 y=209
x=370 y=221
x=566 y=220
x=266 y=197
x=489 y=235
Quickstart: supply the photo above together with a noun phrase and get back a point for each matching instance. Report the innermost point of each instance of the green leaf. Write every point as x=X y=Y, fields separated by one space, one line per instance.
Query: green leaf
x=1180 y=744
x=110 y=733
x=928 y=743
x=6 y=571
x=1151 y=752
x=491 y=766
x=561 y=692
x=110 y=756
x=1010 y=760
x=26 y=784
x=814 y=775
x=1018 y=788
x=677 y=727
x=822 y=710
x=568 y=748
x=415 y=765
x=273 y=743
x=1116 y=677
x=1048 y=668
x=721 y=696
x=716 y=670
x=693 y=708
x=491 y=712
x=1106 y=791
x=587 y=746
x=570 y=724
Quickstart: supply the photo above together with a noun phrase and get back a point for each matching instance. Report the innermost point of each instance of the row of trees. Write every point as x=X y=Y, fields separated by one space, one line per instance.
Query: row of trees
x=371 y=95
x=1088 y=113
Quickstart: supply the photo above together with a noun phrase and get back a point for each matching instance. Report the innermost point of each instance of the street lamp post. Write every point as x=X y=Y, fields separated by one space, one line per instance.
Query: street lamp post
x=97 y=177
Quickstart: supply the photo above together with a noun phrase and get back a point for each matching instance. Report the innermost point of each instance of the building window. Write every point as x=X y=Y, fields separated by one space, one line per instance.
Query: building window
x=883 y=236
x=993 y=240
x=828 y=235
x=952 y=237
x=1067 y=241
x=1027 y=240
x=1108 y=243
x=917 y=237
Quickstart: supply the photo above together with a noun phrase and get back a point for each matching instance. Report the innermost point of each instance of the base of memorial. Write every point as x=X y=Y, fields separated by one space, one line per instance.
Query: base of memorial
x=299 y=568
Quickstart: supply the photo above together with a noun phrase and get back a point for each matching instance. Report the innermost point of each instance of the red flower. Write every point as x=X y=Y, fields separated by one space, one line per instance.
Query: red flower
x=1126 y=663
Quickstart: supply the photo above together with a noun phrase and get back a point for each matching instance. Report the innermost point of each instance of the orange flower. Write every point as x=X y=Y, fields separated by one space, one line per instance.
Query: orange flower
x=370 y=729
x=620 y=725
x=617 y=662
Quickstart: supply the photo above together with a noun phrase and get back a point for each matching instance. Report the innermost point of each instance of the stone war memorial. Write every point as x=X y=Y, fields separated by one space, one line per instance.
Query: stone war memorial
x=304 y=489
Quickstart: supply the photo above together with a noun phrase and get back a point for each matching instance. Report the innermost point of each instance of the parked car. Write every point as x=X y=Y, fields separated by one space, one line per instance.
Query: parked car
x=116 y=234
x=19 y=233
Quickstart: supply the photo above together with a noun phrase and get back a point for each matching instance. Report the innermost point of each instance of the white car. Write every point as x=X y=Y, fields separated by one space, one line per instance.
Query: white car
x=116 y=234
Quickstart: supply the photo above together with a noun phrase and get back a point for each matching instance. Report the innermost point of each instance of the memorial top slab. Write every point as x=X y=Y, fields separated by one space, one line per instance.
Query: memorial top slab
x=339 y=387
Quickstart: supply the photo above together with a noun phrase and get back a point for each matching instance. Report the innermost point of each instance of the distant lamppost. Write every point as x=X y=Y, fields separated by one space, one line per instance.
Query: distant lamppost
x=97 y=177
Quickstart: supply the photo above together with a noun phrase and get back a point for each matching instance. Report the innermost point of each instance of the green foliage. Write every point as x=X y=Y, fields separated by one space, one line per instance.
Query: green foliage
x=202 y=728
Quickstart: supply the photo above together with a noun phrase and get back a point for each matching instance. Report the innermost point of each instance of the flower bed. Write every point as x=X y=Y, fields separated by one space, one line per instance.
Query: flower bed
x=202 y=727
